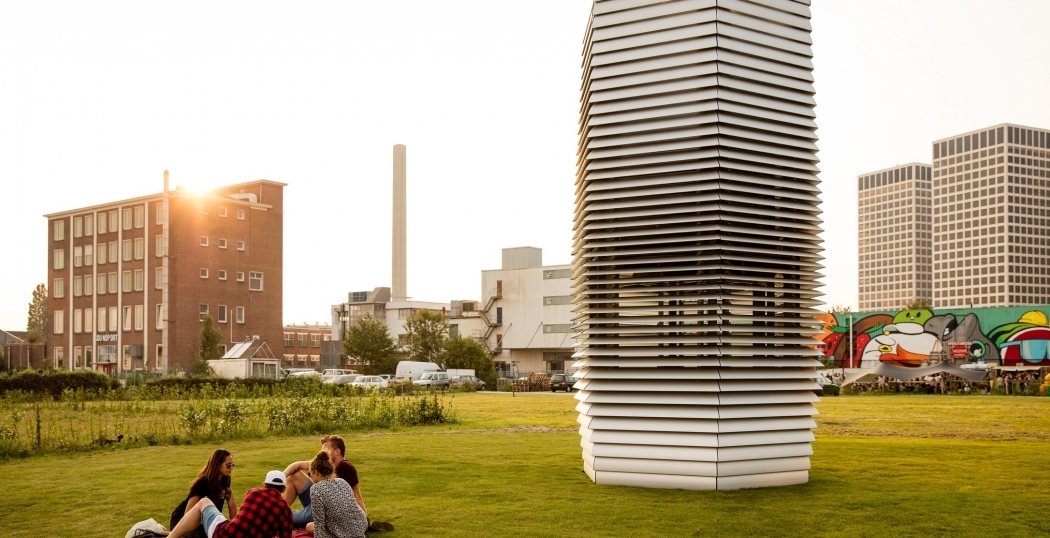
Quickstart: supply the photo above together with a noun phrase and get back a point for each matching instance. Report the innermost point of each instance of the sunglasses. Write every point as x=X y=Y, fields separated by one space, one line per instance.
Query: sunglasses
x=230 y=465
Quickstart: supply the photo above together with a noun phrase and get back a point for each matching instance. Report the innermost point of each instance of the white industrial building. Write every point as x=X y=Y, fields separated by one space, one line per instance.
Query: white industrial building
x=529 y=307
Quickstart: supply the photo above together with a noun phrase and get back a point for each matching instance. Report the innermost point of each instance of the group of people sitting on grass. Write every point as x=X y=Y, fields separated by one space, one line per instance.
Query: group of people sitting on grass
x=329 y=492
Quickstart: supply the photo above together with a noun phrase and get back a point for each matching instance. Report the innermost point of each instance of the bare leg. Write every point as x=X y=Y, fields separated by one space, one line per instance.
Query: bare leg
x=296 y=483
x=191 y=520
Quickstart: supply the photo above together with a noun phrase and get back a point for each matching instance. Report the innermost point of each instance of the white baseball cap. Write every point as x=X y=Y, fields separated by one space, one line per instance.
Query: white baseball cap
x=275 y=478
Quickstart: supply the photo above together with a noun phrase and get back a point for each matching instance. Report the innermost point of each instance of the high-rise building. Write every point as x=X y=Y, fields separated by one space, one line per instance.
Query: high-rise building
x=130 y=280
x=991 y=198
x=895 y=237
x=696 y=249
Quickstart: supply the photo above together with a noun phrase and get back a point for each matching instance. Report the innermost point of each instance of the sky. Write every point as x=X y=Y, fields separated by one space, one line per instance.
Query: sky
x=97 y=99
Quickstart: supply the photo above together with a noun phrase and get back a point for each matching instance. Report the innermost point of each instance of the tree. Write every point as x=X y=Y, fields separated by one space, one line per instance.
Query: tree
x=840 y=309
x=208 y=348
x=425 y=334
x=919 y=303
x=467 y=352
x=368 y=341
x=36 y=325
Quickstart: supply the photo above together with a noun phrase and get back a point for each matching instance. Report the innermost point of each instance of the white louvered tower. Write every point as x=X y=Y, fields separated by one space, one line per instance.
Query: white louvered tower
x=695 y=250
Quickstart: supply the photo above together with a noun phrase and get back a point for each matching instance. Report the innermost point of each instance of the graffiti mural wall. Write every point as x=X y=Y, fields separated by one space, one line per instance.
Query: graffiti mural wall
x=1014 y=336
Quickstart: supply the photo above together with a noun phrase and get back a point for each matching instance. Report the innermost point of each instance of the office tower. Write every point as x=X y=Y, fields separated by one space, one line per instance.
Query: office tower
x=132 y=279
x=895 y=237
x=696 y=251
x=990 y=217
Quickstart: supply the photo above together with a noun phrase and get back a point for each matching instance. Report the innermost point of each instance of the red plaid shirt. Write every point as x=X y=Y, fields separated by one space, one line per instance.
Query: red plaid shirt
x=263 y=514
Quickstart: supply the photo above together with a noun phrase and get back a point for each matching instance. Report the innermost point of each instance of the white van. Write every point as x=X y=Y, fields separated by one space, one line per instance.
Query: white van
x=329 y=373
x=411 y=370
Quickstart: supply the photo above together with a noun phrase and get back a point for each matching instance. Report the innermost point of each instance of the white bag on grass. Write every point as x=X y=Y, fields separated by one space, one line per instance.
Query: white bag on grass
x=146 y=528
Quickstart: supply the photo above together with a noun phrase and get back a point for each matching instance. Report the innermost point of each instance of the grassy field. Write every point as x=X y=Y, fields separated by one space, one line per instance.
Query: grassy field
x=884 y=466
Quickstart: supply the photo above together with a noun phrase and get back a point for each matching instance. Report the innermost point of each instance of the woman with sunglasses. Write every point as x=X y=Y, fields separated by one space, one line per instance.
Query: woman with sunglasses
x=213 y=482
x=335 y=511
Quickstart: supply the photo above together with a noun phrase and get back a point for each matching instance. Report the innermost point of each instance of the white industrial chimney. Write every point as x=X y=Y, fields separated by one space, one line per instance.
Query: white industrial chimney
x=399 y=257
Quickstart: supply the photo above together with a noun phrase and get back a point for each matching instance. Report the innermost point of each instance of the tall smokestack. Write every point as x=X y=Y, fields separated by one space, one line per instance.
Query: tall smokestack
x=399 y=258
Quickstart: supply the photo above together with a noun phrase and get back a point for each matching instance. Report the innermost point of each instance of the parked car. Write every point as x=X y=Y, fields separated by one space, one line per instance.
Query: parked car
x=342 y=379
x=562 y=382
x=370 y=381
x=387 y=377
x=305 y=373
x=457 y=381
x=432 y=379
x=332 y=372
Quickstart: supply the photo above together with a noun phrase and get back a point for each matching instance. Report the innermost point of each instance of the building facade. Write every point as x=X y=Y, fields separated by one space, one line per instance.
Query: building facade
x=303 y=344
x=527 y=311
x=131 y=280
x=895 y=236
x=991 y=197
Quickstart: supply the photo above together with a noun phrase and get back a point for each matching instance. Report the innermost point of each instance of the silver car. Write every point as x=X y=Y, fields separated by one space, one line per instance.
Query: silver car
x=341 y=379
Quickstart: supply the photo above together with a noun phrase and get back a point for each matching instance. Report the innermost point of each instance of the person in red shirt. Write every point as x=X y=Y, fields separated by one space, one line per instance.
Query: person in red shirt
x=263 y=513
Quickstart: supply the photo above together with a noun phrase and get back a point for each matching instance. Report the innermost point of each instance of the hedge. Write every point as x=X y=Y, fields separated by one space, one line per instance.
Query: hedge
x=54 y=382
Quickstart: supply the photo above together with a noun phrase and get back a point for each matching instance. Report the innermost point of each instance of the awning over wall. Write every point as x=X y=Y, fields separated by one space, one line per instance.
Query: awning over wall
x=903 y=373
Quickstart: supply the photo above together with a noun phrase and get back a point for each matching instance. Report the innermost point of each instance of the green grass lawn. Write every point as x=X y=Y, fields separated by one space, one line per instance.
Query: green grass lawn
x=884 y=466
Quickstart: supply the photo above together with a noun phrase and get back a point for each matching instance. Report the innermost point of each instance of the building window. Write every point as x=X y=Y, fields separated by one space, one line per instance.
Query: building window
x=102 y=283
x=158 y=278
x=114 y=321
x=127 y=250
x=289 y=339
x=204 y=209
x=58 y=288
x=88 y=258
x=158 y=210
x=240 y=245
x=239 y=314
x=89 y=282
x=221 y=313
x=60 y=259
x=158 y=242
x=222 y=274
x=58 y=322
x=78 y=226
x=113 y=225
x=78 y=321
x=240 y=214
x=302 y=339
x=240 y=276
x=222 y=211
x=78 y=256
x=126 y=214
x=102 y=319
x=139 y=322
x=140 y=248
x=255 y=281
x=159 y=316
x=101 y=223
x=114 y=253
x=107 y=354
x=102 y=253
x=222 y=243
x=78 y=357
x=204 y=272
x=204 y=241
x=315 y=340
x=139 y=279
x=60 y=230
x=127 y=281
x=140 y=216
x=89 y=315
x=60 y=356
x=113 y=282
x=127 y=319
x=89 y=225
x=78 y=286
x=203 y=311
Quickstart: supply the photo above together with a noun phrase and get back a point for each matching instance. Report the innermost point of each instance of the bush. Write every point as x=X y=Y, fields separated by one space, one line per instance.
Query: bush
x=832 y=390
x=55 y=382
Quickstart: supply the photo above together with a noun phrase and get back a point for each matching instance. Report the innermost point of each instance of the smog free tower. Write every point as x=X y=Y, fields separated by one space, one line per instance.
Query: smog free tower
x=696 y=253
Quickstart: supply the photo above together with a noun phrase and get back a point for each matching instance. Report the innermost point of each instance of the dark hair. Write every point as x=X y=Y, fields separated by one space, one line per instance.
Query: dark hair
x=337 y=442
x=211 y=473
x=322 y=463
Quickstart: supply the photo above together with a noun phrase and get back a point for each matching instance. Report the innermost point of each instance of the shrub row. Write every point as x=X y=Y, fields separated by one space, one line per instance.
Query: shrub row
x=54 y=383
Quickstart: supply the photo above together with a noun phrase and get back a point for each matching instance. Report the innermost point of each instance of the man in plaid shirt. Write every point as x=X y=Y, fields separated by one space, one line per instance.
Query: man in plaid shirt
x=263 y=514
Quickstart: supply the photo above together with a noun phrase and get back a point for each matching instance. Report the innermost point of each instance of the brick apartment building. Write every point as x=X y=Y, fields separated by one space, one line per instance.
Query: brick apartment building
x=303 y=344
x=130 y=281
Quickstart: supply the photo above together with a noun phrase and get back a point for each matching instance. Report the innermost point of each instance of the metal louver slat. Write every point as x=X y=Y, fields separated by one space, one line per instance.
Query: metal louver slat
x=695 y=249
